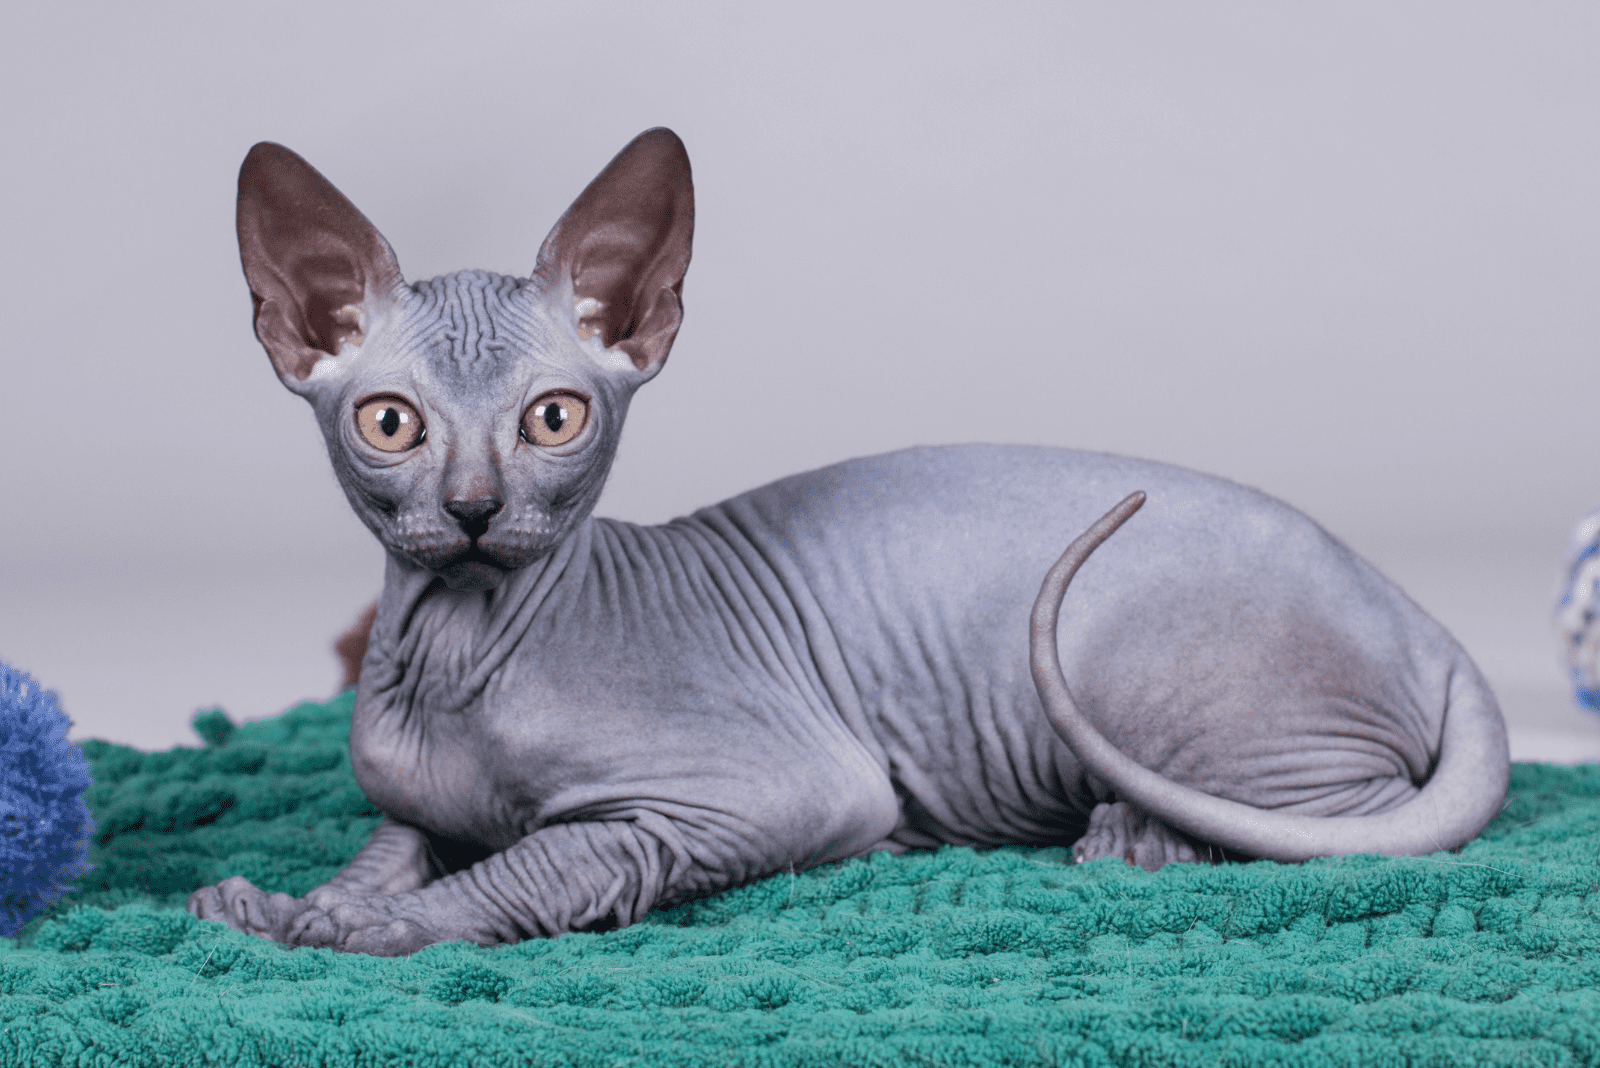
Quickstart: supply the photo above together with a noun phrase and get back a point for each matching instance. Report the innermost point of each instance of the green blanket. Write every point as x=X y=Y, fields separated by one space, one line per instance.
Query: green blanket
x=955 y=957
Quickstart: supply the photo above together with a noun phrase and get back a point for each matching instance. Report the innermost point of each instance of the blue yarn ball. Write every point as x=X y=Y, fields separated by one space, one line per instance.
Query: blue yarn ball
x=44 y=822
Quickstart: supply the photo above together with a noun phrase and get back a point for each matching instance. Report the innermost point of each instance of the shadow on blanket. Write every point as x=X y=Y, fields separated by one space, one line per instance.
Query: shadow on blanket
x=945 y=958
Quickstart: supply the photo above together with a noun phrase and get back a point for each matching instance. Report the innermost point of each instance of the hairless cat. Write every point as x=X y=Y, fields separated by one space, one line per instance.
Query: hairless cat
x=569 y=721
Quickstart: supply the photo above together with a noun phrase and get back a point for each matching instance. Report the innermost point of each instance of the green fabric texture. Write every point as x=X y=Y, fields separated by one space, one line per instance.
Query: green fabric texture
x=954 y=957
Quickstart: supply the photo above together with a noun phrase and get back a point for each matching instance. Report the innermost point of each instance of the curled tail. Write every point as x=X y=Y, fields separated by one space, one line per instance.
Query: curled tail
x=1462 y=795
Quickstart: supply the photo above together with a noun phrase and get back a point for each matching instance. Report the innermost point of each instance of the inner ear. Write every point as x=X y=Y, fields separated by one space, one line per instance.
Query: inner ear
x=312 y=260
x=625 y=245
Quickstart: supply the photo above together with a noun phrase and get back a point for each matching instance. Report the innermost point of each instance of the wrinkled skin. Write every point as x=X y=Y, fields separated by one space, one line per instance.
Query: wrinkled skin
x=569 y=721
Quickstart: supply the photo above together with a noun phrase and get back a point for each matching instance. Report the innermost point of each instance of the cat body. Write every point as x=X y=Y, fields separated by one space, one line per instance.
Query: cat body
x=569 y=720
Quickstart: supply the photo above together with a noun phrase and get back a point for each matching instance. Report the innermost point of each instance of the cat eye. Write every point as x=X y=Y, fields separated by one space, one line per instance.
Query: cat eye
x=554 y=419
x=389 y=424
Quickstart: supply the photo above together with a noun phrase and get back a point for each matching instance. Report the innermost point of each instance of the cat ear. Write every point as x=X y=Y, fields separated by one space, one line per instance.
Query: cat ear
x=312 y=260
x=625 y=245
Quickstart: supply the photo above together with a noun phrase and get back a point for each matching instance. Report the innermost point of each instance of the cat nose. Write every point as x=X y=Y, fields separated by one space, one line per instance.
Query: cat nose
x=473 y=515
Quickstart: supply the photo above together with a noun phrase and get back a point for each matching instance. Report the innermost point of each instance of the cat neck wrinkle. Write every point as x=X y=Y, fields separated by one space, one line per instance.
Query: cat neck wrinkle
x=440 y=648
x=716 y=590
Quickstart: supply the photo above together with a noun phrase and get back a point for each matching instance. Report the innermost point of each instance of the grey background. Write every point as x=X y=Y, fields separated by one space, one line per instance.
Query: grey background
x=1343 y=252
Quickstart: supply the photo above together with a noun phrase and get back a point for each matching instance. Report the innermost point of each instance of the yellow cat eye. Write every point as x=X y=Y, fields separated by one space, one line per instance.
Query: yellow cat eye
x=554 y=419
x=389 y=424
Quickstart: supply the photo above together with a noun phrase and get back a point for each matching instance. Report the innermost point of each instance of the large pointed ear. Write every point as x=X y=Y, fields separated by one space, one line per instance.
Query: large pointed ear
x=625 y=245
x=312 y=261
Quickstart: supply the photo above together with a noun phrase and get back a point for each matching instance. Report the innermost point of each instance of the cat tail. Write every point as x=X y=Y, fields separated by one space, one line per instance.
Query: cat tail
x=1460 y=797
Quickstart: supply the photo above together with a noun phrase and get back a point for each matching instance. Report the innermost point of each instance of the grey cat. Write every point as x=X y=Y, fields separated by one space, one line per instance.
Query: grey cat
x=569 y=721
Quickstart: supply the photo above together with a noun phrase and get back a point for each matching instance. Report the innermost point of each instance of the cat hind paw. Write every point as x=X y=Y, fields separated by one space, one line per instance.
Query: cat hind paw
x=1117 y=829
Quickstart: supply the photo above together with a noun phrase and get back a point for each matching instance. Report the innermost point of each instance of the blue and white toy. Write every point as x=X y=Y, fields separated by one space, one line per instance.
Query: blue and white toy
x=44 y=822
x=1576 y=616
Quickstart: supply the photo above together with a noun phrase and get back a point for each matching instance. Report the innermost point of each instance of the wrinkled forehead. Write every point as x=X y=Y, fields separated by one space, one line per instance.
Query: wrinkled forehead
x=473 y=327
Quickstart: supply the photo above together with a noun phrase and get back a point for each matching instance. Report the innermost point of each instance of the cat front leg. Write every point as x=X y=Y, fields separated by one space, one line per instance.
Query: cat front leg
x=397 y=858
x=560 y=878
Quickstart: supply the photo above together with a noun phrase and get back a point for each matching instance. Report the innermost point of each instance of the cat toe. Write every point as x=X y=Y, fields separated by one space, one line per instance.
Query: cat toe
x=393 y=939
x=237 y=902
x=206 y=904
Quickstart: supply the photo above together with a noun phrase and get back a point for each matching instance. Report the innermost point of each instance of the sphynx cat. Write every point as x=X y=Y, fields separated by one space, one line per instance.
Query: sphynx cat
x=569 y=721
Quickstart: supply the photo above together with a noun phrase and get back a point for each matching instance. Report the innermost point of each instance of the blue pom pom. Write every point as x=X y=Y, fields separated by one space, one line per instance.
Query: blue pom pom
x=44 y=822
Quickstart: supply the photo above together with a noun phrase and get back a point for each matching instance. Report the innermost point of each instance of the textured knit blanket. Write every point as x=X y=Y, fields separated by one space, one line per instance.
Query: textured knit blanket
x=954 y=957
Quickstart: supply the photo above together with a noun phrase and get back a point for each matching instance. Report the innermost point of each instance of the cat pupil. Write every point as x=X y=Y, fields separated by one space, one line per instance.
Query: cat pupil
x=389 y=422
x=554 y=416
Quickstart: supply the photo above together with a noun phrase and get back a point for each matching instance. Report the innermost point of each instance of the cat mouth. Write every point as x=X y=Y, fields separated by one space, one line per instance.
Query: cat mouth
x=469 y=564
x=479 y=555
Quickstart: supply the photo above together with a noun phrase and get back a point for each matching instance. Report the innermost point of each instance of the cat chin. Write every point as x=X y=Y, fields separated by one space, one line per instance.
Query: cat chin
x=472 y=574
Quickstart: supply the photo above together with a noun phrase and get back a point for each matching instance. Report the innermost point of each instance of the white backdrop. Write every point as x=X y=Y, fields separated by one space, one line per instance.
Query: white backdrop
x=1342 y=252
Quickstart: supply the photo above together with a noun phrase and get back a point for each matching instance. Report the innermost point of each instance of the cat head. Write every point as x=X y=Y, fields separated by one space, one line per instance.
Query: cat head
x=471 y=419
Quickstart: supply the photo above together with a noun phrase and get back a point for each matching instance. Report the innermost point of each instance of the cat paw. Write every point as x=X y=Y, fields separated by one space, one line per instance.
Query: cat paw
x=377 y=926
x=238 y=903
x=1119 y=830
